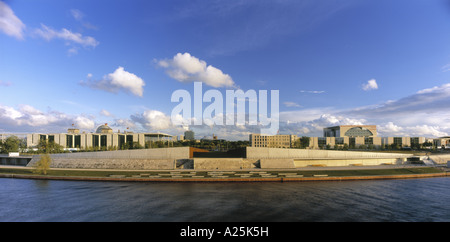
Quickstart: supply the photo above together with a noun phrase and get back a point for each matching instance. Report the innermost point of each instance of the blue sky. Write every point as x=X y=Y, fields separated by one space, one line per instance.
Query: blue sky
x=118 y=62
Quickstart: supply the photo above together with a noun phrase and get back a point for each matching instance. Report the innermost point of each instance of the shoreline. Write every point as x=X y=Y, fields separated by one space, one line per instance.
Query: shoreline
x=177 y=176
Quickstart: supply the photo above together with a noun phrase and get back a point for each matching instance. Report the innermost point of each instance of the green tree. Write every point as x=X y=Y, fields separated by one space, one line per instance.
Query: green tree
x=45 y=147
x=302 y=142
x=11 y=144
x=43 y=165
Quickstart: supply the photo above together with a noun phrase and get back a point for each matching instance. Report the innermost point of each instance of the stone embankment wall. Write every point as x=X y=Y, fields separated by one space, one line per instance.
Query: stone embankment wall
x=181 y=158
x=277 y=153
x=440 y=159
x=148 y=159
x=293 y=158
x=222 y=163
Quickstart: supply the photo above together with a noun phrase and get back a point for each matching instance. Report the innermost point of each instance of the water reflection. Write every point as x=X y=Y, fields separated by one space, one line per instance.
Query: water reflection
x=388 y=200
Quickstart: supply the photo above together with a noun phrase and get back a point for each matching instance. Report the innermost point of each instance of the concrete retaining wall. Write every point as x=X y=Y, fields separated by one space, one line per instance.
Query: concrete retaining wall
x=293 y=158
x=150 y=159
x=157 y=153
x=129 y=164
x=440 y=159
x=222 y=163
x=277 y=153
x=347 y=162
x=277 y=163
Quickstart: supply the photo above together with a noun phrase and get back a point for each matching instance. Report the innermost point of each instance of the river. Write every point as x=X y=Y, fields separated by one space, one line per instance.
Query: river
x=410 y=200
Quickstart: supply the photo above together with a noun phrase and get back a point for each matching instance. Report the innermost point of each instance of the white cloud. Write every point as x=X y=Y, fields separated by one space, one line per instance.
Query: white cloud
x=77 y=14
x=445 y=68
x=48 y=34
x=27 y=118
x=106 y=113
x=153 y=120
x=118 y=80
x=187 y=68
x=124 y=124
x=291 y=104
x=445 y=88
x=391 y=129
x=370 y=85
x=10 y=24
x=314 y=92
x=84 y=123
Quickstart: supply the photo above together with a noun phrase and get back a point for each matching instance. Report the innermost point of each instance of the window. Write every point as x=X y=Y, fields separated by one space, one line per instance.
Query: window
x=69 y=141
x=398 y=140
x=103 y=141
x=121 y=140
x=129 y=138
x=77 y=141
x=322 y=141
x=339 y=140
x=414 y=141
x=351 y=142
x=368 y=141
x=95 y=141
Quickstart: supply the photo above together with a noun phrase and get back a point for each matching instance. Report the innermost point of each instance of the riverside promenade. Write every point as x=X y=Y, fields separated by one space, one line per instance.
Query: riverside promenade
x=248 y=175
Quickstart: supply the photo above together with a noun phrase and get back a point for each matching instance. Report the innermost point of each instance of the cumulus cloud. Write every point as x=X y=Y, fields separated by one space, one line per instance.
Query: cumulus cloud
x=28 y=118
x=391 y=129
x=370 y=85
x=187 y=68
x=153 y=120
x=10 y=24
x=118 y=80
x=82 y=122
x=124 y=124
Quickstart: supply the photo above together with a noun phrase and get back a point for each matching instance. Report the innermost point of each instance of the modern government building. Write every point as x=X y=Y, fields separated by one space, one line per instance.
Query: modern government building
x=350 y=135
x=104 y=137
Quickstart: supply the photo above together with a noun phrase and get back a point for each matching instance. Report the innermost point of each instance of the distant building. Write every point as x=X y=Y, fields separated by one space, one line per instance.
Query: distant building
x=189 y=135
x=353 y=136
x=272 y=141
x=103 y=137
x=351 y=131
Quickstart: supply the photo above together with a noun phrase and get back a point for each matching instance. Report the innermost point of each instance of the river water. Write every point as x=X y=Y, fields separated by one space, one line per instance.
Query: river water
x=378 y=200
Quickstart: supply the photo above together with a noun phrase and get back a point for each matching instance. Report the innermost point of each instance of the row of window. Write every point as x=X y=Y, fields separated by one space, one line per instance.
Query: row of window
x=74 y=141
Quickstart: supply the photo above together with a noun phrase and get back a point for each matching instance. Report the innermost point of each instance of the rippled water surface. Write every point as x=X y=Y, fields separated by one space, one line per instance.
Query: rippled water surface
x=381 y=200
